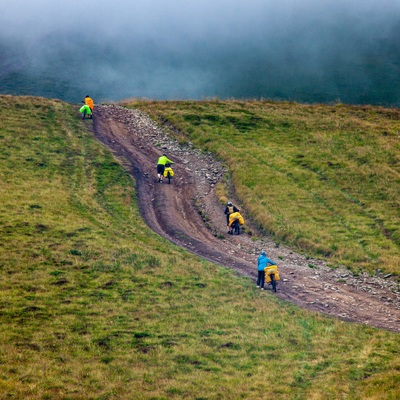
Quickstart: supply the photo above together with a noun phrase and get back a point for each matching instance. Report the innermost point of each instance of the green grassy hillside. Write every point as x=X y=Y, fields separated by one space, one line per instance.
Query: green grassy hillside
x=323 y=179
x=94 y=305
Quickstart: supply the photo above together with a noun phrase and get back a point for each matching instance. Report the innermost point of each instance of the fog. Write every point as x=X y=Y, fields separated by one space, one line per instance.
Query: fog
x=307 y=51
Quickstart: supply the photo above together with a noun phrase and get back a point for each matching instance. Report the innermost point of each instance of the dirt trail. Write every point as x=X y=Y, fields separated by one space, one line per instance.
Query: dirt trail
x=138 y=142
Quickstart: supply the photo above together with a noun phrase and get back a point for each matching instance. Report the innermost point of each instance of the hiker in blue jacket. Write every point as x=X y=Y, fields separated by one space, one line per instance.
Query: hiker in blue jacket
x=262 y=263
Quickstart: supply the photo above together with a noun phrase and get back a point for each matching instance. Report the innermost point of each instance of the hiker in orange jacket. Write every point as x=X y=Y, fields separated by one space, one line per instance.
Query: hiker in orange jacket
x=89 y=102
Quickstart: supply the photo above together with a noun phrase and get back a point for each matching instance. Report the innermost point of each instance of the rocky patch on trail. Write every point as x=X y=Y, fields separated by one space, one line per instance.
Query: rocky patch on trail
x=310 y=283
x=137 y=122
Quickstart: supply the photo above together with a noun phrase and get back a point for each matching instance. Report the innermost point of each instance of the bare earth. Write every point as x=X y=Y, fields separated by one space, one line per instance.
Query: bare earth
x=173 y=212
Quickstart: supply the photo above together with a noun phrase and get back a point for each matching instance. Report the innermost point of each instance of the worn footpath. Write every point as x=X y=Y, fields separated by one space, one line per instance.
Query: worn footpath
x=195 y=221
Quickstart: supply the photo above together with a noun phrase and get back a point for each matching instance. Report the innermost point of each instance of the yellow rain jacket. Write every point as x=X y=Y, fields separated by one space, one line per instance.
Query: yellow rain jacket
x=271 y=269
x=236 y=216
x=171 y=172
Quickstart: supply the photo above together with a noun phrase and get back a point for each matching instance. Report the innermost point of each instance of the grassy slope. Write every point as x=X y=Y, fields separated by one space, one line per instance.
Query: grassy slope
x=325 y=179
x=93 y=305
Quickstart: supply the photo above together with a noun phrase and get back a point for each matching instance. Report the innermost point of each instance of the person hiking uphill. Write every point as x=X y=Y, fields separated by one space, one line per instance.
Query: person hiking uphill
x=89 y=102
x=230 y=209
x=161 y=166
x=87 y=108
x=235 y=222
x=262 y=263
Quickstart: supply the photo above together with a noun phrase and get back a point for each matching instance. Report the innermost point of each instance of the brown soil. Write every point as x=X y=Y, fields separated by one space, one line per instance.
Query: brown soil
x=178 y=211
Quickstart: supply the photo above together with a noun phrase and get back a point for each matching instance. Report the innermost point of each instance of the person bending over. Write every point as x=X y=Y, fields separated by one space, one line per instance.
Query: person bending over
x=230 y=209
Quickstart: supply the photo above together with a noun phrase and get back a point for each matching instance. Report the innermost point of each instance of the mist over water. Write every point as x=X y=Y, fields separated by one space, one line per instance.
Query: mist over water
x=311 y=51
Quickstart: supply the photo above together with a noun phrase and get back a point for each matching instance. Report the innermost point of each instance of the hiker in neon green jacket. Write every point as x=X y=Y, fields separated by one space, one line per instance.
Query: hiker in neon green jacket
x=161 y=166
x=85 y=110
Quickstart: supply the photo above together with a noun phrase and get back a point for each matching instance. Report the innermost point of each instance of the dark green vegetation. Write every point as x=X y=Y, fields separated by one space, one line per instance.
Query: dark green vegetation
x=323 y=179
x=93 y=305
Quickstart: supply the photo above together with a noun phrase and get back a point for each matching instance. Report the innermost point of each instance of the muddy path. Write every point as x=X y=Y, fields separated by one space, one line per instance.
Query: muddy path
x=137 y=142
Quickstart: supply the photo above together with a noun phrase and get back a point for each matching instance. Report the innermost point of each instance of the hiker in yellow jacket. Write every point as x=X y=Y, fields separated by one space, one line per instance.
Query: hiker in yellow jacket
x=161 y=166
x=230 y=209
x=235 y=220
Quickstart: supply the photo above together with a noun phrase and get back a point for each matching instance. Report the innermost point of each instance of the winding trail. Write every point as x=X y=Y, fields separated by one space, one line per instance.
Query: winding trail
x=137 y=142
